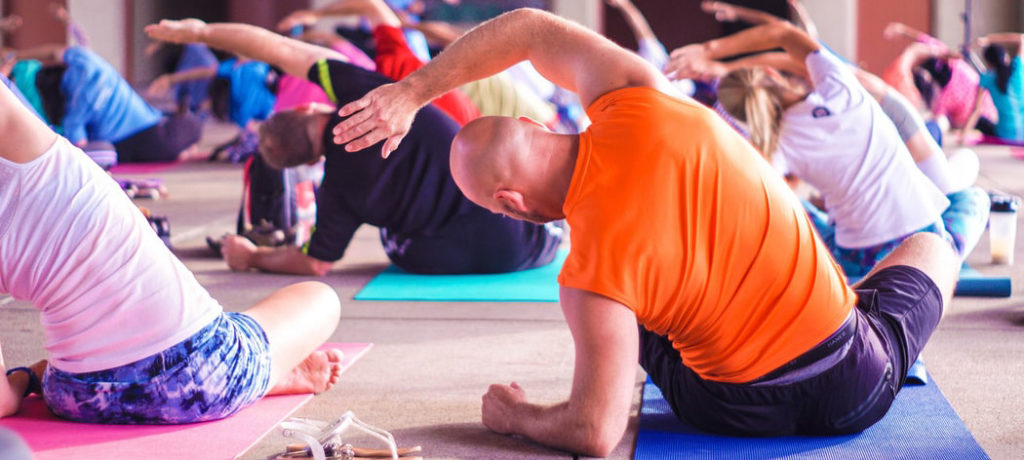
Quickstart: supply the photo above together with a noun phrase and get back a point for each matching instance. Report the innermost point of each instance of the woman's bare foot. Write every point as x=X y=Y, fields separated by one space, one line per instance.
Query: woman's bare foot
x=318 y=373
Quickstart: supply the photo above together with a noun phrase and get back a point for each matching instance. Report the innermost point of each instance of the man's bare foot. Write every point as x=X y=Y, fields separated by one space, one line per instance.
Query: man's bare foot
x=318 y=373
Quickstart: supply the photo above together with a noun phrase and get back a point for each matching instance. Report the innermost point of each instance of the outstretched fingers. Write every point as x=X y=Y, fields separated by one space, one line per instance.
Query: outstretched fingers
x=384 y=113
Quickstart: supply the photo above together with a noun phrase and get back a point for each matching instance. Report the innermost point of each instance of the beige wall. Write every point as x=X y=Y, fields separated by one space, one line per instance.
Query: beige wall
x=988 y=16
x=837 y=24
x=586 y=12
x=104 y=23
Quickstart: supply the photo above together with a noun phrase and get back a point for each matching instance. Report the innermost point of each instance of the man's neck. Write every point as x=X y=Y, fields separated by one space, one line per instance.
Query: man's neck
x=561 y=166
x=319 y=126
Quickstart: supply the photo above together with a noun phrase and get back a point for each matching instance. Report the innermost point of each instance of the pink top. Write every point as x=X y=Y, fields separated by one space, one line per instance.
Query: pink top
x=355 y=55
x=293 y=92
x=956 y=100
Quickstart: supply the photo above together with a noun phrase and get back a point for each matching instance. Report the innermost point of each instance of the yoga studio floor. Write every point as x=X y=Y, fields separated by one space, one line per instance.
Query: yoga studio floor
x=432 y=361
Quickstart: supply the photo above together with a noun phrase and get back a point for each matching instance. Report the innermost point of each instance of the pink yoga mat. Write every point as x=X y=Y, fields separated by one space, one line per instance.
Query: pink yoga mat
x=53 y=438
x=990 y=140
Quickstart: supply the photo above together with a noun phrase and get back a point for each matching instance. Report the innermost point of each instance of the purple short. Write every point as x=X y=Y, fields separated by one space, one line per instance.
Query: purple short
x=842 y=386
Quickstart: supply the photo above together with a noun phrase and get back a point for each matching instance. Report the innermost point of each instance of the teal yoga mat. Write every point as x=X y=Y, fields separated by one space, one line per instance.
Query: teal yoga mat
x=920 y=425
x=534 y=285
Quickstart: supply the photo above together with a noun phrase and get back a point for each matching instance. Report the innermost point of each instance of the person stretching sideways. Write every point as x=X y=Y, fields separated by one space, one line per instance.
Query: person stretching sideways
x=132 y=336
x=873 y=171
x=678 y=225
x=426 y=224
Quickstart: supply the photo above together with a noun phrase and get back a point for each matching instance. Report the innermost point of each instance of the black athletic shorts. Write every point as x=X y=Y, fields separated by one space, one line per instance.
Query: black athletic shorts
x=897 y=310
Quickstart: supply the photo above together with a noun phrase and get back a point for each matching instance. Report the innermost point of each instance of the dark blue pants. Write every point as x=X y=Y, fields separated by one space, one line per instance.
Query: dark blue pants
x=897 y=310
x=476 y=242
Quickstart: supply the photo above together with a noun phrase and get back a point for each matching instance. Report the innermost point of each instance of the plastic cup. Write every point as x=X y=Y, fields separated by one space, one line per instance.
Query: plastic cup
x=1002 y=229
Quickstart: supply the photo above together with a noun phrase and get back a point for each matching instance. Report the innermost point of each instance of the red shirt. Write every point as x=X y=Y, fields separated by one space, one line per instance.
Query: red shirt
x=396 y=61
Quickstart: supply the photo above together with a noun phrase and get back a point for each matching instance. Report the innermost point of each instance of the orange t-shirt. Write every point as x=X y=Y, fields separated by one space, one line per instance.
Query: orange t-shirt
x=674 y=215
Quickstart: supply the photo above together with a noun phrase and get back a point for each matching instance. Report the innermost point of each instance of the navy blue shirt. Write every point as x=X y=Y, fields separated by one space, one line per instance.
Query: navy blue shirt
x=411 y=193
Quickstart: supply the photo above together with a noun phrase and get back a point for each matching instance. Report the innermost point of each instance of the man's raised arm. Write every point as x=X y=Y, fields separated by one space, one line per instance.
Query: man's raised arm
x=566 y=53
x=794 y=41
x=292 y=56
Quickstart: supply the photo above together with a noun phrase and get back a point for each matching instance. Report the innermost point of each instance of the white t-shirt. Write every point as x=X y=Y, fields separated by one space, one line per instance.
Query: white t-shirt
x=74 y=245
x=839 y=140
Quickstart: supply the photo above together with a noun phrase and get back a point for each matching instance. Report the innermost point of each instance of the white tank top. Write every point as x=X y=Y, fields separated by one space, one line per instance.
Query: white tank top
x=74 y=245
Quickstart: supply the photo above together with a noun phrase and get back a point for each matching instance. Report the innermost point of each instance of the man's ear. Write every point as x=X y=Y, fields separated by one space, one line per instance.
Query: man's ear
x=510 y=198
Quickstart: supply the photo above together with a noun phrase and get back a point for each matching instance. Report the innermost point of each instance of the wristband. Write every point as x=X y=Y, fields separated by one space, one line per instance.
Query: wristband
x=33 y=381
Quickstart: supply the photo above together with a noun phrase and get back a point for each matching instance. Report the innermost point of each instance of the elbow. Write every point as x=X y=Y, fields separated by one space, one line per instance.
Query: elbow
x=784 y=31
x=601 y=444
x=529 y=18
x=600 y=439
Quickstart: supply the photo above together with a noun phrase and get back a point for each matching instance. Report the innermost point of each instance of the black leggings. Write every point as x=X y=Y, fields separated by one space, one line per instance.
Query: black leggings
x=987 y=127
x=161 y=142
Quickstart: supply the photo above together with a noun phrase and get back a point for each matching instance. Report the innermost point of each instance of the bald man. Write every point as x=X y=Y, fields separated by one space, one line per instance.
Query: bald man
x=745 y=322
x=426 y=224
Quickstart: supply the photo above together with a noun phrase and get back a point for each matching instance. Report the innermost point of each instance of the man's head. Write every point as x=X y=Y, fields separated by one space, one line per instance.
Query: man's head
x=512 y=167
x=291 y=138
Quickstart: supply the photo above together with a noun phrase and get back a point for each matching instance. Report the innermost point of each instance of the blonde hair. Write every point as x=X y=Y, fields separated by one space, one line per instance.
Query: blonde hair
x=755 y=99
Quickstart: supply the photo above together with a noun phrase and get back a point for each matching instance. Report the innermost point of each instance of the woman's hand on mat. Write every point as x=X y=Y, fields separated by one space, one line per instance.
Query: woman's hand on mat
x=501 y=406
x=238 y=252
x=177 y=31
x=386 y=112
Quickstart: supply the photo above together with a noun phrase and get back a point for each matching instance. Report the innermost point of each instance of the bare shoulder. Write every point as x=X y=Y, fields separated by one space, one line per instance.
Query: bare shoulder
x=25 y=136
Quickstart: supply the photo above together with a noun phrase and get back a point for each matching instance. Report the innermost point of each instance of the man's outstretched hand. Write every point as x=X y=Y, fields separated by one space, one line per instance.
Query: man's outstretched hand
x=176 y=31
x=386 y=112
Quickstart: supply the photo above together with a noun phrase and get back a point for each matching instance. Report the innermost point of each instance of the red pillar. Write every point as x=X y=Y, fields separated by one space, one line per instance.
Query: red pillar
x=39 y=28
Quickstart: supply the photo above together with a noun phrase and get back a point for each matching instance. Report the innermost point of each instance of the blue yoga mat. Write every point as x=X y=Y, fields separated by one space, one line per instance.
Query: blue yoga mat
x=973 y=283
x=920 y=425
x=534 y=285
